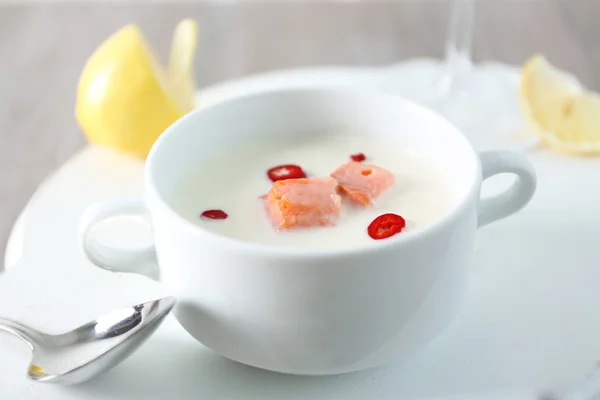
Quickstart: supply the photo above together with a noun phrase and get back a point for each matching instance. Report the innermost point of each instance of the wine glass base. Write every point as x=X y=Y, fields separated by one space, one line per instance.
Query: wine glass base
x=484 y=103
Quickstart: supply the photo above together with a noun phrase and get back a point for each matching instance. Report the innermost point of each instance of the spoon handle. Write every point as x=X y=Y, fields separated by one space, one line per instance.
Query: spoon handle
x=26 y=334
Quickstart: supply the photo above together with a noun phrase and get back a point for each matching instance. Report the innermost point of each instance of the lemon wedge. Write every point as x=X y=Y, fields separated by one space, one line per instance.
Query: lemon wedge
x=126 y=98
x=559 y=108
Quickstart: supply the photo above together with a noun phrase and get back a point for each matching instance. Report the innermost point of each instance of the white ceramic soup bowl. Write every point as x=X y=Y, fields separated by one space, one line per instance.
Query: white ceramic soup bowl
x=314 y=312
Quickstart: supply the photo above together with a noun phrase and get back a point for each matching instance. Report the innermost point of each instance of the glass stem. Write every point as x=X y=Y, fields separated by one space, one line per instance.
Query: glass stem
x=458 y=46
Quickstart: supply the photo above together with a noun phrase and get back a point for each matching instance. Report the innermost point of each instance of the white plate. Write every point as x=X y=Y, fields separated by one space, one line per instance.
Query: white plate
x=532 y=319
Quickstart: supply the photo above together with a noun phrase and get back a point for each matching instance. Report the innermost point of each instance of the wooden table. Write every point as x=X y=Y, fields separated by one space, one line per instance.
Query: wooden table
x=44 y=47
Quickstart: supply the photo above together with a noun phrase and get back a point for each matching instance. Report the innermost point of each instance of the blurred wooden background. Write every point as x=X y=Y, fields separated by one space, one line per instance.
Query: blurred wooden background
x=44 y=46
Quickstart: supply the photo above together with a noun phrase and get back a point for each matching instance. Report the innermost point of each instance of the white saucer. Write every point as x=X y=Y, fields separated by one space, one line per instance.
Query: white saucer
x=532 y=319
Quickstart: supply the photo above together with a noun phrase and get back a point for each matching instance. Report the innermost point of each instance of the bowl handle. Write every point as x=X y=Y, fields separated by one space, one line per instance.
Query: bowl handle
x=515 y=197
x=113 y=259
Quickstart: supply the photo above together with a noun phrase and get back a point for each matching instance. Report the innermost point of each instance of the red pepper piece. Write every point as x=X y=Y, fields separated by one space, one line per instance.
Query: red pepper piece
x=358 y=157
x=286 y=171
x=214 y=214
x=385 y=226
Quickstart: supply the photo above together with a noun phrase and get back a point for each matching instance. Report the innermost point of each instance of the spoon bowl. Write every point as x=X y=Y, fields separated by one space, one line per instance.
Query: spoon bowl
x=93 y=348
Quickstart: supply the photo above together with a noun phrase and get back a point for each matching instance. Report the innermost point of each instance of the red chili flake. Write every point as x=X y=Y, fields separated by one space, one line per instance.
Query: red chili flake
x=214 y=214
x=386 y=225
x=358 y=157
x=287 y=171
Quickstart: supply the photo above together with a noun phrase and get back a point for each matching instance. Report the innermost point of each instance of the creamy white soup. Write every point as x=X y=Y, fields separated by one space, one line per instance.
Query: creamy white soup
x=234 y=181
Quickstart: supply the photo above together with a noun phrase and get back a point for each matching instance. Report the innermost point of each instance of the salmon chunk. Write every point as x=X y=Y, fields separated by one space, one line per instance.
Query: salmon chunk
x=303 y=202
x=362 y=182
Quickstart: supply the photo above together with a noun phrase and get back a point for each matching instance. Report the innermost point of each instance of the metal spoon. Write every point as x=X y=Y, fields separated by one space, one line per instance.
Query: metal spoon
x=93 y=348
